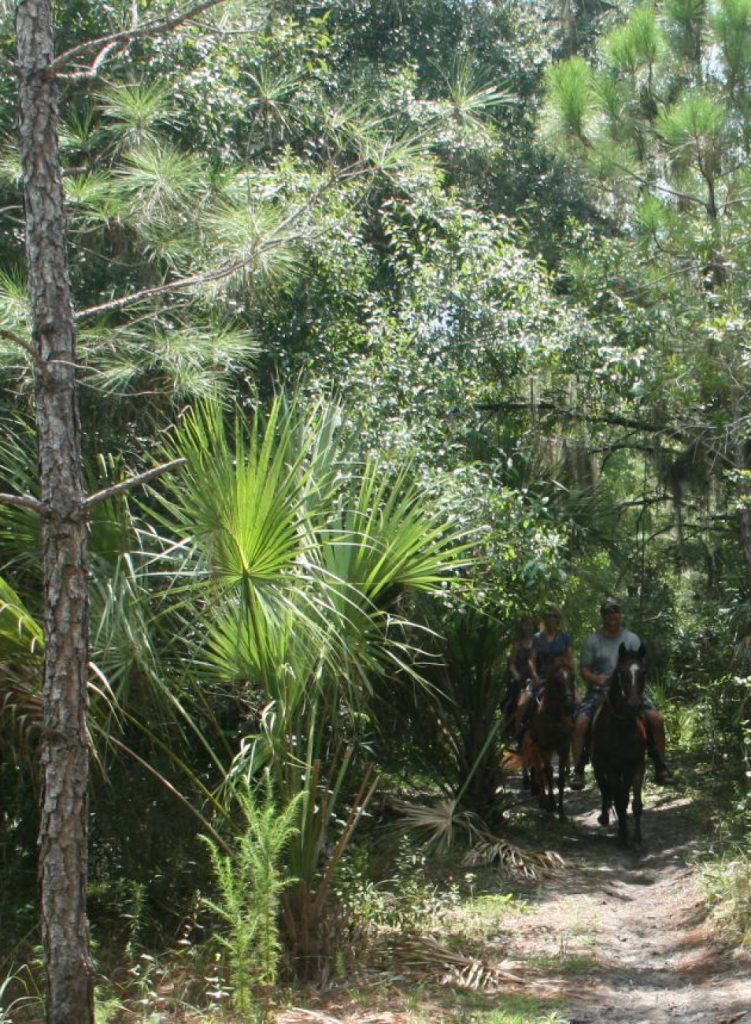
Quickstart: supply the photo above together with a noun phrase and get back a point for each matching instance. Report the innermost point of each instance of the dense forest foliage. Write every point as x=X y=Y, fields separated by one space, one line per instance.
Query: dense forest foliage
x=445 y=306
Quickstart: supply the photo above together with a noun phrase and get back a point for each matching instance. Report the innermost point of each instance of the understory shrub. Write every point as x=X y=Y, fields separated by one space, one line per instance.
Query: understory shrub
x=250 y=885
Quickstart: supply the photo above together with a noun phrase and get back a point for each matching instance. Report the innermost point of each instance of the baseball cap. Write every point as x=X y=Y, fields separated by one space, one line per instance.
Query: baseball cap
x=610 y=604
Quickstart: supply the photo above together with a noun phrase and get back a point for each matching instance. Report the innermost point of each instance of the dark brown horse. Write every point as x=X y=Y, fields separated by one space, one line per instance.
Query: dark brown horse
x=549 y=733
x=619 y=739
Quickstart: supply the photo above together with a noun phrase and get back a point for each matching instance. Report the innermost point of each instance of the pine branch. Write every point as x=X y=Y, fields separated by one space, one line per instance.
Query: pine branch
x=23 y=501
x=575 y=414
x=134 y=481
x=154 y=26
x=227 y=269
x=18 y=340
x=93 y=70
x=147 y=293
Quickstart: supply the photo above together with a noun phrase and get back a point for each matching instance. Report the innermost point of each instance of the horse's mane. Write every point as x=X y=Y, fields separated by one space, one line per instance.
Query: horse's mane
x=625 y=656
x=558 y=678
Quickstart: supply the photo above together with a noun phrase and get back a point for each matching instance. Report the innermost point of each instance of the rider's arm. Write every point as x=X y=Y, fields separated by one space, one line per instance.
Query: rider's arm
x=533 y=666
x=592 y=678
x=515 y=674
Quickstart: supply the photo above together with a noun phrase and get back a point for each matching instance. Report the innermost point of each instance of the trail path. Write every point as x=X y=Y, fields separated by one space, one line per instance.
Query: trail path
x=624 y=938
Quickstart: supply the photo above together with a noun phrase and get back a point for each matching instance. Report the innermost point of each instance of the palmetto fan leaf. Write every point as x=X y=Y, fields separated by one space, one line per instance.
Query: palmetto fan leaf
x=272 y=92
x=471 y=93
x=240 y=501
x=395 y=539
x=268 y=652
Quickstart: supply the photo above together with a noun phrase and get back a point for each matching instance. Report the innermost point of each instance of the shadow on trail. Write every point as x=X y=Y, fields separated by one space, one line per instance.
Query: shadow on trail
x=594 y=862
x=635 y=917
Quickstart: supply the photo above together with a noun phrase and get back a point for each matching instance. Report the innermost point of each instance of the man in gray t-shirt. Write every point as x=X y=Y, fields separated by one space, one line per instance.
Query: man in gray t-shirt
x=599 y=655
x=599 y=658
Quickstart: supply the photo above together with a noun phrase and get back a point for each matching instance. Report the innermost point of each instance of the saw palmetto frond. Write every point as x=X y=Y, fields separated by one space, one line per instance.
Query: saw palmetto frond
x=532 y=864
x=432 y=959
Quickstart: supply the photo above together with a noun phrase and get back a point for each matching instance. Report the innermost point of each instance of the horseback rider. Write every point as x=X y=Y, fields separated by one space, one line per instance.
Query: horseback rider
x=550 y=642
x=520 y=666
x=598 y=661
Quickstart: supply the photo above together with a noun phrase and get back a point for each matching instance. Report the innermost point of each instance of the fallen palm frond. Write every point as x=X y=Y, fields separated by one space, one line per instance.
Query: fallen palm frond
x=293 y=1015
x=437 y=962
x=527 y=863
x=440 y=820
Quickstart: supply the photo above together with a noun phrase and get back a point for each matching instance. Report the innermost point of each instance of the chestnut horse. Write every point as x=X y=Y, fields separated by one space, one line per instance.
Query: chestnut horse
x=550 y=730
x=619 y=740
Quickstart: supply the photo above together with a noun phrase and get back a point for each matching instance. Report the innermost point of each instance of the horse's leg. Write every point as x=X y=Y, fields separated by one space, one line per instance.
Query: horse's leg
x=603 y=784
x=539 y=779
x=549 y=786
x=620 y=799
x=562 y=771
x=637 y=801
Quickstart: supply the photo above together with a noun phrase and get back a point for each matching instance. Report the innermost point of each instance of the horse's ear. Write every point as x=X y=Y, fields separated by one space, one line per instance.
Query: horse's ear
x=642 y=652
x=622 y=653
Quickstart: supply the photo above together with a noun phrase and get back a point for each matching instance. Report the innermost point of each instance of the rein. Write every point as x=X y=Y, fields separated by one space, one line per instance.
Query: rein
x=630 y=714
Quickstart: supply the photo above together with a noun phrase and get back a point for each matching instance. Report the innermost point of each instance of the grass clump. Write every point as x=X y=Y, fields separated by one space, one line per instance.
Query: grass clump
x=727 y=882
x=516 y=1008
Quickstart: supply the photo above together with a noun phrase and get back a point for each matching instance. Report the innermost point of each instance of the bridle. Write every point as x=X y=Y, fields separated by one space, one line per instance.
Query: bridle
x=634 y=669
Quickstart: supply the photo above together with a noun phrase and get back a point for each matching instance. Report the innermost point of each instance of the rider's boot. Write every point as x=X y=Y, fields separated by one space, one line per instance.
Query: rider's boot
x=663 y=775
x=577 y=776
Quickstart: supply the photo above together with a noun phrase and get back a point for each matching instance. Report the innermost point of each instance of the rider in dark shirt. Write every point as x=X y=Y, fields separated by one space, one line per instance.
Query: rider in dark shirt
x=520 y=666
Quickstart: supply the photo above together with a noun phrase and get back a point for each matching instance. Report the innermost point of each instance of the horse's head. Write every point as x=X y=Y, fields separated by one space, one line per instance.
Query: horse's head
x=560 y=678
x=627 y=682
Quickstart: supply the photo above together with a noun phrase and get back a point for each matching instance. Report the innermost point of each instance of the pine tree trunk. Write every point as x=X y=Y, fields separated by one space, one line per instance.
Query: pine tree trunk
x=65 y=760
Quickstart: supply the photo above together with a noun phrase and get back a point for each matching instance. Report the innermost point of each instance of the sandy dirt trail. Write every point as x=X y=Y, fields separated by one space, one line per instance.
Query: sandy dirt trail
x=624 y=938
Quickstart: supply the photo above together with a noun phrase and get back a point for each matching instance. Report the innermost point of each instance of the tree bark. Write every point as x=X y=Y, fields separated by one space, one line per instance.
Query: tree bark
x=65 y=757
